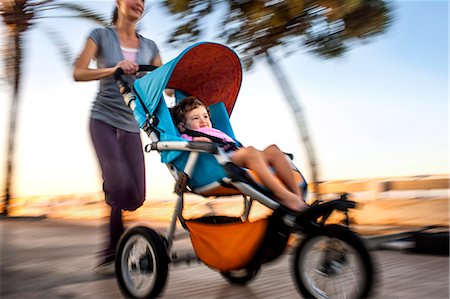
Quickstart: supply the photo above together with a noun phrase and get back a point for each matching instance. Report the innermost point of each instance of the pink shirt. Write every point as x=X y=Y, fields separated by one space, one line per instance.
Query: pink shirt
x=212 y=132
x=129 y=53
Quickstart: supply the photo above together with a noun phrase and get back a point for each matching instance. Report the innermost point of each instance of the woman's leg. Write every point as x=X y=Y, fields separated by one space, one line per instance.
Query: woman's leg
x=132 y=147
x=122 y=163
x=119 y=182
x=277 y=159
x=115 y=232
x=253 y=159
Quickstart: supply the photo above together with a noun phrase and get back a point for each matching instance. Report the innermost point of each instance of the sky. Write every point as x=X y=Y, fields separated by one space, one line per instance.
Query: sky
x=381 y=110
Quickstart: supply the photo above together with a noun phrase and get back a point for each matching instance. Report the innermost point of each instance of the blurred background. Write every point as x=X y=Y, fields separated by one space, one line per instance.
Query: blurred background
x=356 y=90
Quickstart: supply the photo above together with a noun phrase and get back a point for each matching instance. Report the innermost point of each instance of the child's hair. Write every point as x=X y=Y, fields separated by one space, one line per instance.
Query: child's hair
x=185 y=105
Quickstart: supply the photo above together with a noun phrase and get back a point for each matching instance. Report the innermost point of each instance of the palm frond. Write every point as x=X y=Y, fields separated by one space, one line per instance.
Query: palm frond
x=40 y=3
x=80 y=11
x=62 y=46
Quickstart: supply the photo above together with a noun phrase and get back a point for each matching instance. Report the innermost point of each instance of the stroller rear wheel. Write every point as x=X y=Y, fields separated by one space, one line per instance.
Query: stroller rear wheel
x=240 y=277
x=141 y=263
x=333 y=263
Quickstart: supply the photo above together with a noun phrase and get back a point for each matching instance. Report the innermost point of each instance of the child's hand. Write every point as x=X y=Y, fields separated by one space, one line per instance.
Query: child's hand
x=201 y=139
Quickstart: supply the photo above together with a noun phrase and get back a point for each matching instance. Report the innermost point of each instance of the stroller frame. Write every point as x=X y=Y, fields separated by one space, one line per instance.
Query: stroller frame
x=311 y=223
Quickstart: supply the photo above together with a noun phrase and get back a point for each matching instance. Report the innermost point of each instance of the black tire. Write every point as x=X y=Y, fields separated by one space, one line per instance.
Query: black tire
x=141 y=263
x=333 y=263
x=240 y=277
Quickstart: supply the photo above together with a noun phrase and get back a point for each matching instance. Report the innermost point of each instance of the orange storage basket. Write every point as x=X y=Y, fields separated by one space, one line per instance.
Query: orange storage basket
x=226 y=246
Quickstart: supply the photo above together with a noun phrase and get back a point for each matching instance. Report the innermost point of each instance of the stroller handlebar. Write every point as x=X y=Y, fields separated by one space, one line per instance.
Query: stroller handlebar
x=142 y=68
x=190 y=146
x=124 y=87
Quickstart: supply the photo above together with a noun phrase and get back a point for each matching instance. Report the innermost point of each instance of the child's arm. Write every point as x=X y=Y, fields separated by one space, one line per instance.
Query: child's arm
x=202 y=139
x=199 y=138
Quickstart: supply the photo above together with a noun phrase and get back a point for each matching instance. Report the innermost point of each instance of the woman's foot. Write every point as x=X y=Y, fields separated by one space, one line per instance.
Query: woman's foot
x=106 y=265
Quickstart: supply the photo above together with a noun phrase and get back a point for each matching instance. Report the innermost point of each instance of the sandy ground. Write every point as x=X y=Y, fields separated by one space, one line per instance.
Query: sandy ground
x=48 y=258
x=414 y=212
x=387 y=211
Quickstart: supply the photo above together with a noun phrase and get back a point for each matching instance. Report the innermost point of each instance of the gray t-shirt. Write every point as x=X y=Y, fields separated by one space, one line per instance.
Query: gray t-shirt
x=109 y=106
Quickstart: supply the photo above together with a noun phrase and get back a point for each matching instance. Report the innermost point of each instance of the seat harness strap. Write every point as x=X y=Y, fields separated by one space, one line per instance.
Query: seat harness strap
x=226 y=145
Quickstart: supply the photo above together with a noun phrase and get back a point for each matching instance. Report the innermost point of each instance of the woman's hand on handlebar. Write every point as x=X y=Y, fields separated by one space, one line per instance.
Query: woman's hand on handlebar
x=128 y=67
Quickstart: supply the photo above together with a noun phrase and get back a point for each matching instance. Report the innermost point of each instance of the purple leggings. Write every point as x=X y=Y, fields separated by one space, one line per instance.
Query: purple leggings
x=123 y=170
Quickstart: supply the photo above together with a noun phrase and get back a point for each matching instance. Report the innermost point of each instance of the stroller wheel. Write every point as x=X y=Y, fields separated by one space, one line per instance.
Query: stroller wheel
x=333 y=263
x=141 y=263
x=240 y=277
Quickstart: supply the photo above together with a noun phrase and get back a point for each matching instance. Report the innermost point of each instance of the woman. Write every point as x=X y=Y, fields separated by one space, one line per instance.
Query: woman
x=114 y=131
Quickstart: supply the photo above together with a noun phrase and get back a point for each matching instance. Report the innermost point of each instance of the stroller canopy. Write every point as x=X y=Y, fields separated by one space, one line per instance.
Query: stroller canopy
x=210 y=71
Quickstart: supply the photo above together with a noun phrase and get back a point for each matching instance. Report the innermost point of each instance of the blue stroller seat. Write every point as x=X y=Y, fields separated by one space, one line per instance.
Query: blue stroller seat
x=208 y=177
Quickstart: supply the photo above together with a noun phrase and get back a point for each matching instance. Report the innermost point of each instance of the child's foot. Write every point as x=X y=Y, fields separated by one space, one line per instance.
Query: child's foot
x=295 y=204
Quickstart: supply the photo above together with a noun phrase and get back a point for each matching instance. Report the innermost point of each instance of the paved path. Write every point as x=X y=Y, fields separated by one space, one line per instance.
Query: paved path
x=54 y=259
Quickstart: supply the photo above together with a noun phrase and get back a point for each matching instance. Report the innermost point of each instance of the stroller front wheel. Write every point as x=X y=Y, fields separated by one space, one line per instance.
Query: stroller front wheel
x=141 y=263
x=333 y=263
x=240 y=277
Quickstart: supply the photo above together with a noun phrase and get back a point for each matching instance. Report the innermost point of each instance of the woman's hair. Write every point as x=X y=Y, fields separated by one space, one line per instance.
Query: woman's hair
x=115 y=15
x=185 y=105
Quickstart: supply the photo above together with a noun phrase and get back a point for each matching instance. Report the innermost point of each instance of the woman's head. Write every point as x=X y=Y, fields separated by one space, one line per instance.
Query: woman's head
x=130 y=9
x=191 y=113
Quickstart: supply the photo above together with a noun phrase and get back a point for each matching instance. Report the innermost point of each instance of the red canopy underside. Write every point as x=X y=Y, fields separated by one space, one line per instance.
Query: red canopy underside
x=211 y=72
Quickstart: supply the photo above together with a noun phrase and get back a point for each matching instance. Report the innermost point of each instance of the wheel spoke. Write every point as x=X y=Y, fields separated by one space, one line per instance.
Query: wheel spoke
x=143 y=263
x=332 y=267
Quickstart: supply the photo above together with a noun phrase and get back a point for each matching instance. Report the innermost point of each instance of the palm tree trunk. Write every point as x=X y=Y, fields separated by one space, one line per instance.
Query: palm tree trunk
x=299 y=119
x=16 y=65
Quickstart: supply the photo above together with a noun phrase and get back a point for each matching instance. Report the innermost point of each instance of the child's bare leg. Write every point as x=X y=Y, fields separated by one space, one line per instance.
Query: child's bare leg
x=277 y=159
x=253 y=159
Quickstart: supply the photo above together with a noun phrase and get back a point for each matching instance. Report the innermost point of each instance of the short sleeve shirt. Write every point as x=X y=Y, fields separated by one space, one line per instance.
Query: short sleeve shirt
x=109 y=106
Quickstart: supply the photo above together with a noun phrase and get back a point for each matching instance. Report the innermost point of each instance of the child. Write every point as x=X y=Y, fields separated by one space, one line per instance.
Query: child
x=190 y=113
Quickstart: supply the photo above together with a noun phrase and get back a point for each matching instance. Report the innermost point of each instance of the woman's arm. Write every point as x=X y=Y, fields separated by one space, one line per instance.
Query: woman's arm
x=157 y=61
x=82 y=72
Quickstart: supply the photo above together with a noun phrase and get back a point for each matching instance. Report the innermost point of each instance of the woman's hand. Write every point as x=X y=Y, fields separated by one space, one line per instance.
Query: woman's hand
x=128 y=67
x=169 y=92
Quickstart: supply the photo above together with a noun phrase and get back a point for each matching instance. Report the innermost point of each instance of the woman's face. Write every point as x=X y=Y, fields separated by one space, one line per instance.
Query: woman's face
x=131 y=9
x=197 y=118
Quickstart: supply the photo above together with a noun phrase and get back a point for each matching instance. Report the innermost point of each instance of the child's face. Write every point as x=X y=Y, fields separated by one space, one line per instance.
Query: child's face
x=197 y=118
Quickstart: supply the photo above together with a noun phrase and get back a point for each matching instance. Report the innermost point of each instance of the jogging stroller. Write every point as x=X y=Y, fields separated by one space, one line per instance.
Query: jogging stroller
x=328 y=255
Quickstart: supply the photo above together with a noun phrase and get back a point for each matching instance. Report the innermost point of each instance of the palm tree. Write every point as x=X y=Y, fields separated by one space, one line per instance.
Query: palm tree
x=19 y=16
x=256 y=28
